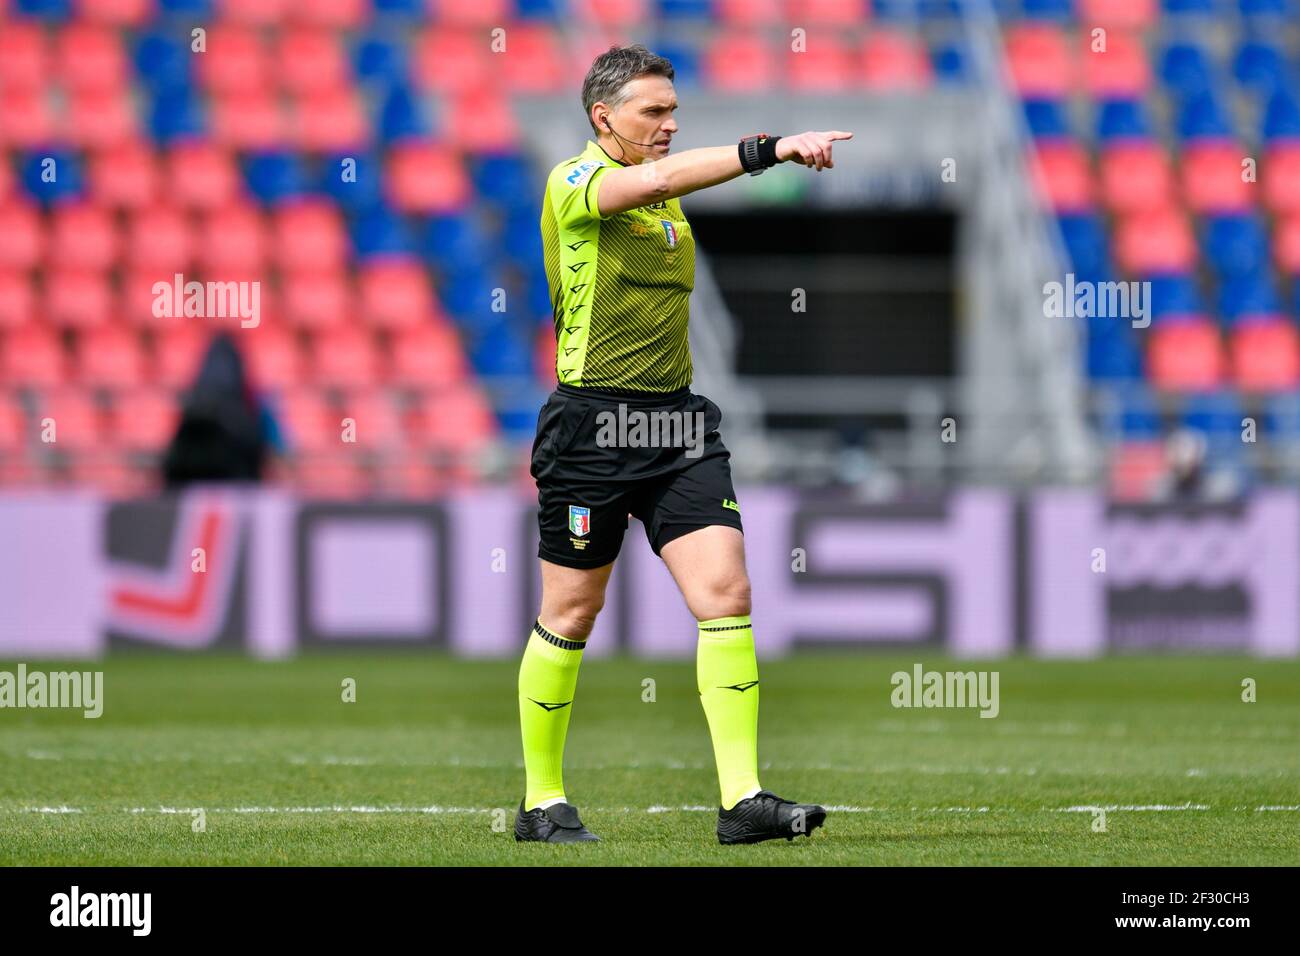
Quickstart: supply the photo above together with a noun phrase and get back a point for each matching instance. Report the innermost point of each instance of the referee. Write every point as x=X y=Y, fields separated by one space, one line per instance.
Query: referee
x=623 y=434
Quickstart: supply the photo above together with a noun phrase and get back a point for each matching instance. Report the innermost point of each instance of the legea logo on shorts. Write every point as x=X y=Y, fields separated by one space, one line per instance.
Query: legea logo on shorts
x=640 y=429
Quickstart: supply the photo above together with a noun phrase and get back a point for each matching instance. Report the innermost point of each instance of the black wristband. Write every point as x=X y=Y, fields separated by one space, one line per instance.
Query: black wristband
x=757 y=152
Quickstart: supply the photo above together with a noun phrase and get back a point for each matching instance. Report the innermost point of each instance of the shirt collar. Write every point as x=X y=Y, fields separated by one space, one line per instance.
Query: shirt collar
x=596 y=151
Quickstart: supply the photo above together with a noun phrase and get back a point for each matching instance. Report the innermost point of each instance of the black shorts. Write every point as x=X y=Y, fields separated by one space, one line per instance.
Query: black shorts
x=600 y=456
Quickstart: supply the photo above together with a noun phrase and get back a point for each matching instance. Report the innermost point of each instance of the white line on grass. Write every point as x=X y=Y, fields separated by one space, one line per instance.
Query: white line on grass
x=688 y=808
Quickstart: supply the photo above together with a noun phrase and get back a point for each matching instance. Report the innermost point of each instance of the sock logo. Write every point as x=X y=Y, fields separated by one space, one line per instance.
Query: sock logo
x=549 y=707
x=740 y=687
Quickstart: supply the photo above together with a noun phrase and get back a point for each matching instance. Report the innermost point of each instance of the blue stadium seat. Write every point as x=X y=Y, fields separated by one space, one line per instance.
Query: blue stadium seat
x=53 y=175
x=1218 y=415
x=1263 y=8
x=467 y=294
x=1174 y=295
x=539 y=292
x=1236 y=245
x=1281 y=419
x=402 y=115
x=380 y=232
x=520 y=237
x=686 y=62
x=1048 y=9
x=414 y=9
x=456 y=241
x=1248 y=294
x=503 y=352
x=1114 y=357
x=1186 y=69
x=276 y=176
x=363 y=191
x=1260 y=65
x=1122 y=119
x=506 y=179
x=197 y=8
x=45 y=9
x=163 y=61
x=951 y=62
x=682 y=9
x=1203 y=116
x=1046 y=118
x=1281 y=117
x=540 y=9
x=380 y=60
x=1189 y=7
x=1085 y=240
x=1133 y=415
x=177 y=113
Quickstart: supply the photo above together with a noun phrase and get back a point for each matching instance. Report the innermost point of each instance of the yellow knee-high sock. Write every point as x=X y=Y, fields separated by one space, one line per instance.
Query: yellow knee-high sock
x=727 y=673
x=548 y=676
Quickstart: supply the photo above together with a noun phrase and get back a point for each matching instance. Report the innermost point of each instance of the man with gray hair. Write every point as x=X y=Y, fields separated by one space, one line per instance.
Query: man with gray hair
x=620 y=263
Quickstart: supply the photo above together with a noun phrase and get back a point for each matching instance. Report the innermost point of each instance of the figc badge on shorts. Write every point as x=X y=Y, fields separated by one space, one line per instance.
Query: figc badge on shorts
x=579 y=520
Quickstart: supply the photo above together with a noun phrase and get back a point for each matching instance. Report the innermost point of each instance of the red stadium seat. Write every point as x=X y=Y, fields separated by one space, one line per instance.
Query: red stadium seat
x=78 y=298
x=625 y=13
x=1136 y=176
x=99 y=119
x=202 y=175
x=318 y=300
x=842 y=13
x=1266 y=354
x=111 y=476
x=1118 y=13
x=91 y=57
x=17 y=299
x=116 y=12
x=1281 y=177
x=377 y=420
x=412 y=477
x=145 y=419
x=395 y=293
x=1040 y=62
x=312 y=60
x=309 y=235
x=340 y=14
x=345 y=357
x=748 y=12
x=178 y=352
x=532 y=61
x=235 y=61
x=111 y=355
x=429 y=353
x=272 y=356
x=234 y=241
x=895 y=61
x=458 y=420
x=1120 y=70
x=310 y=424
x=1185 y=355
x=14 y=433
x=426 y=178
x=1063 y=176
x=22 y=238
x=1155 y=243
x=6 y=181
x=76 y=420
x=160 y=241
x=84 y=237
x=1286 y=244
x=335 y=476
x=330 y=121
x=125 y=176
x=1212 y=178
x=482 y=121
x=24 y=56
x=1137 y=468
x=250 y=120
x=32 y=355
x=826 y=66
x=255 y=12
x=736 y=62
x=26 y=120
x=452 y=60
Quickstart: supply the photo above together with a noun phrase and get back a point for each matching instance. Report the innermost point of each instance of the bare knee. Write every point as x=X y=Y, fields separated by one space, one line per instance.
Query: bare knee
x=721 y=596
x=573 y=617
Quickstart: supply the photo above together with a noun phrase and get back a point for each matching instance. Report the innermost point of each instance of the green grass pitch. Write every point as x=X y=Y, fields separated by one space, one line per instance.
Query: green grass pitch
x=425 y=767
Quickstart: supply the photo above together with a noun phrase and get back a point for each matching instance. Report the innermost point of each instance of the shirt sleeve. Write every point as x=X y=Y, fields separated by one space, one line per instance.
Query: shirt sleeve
x=574 y=192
